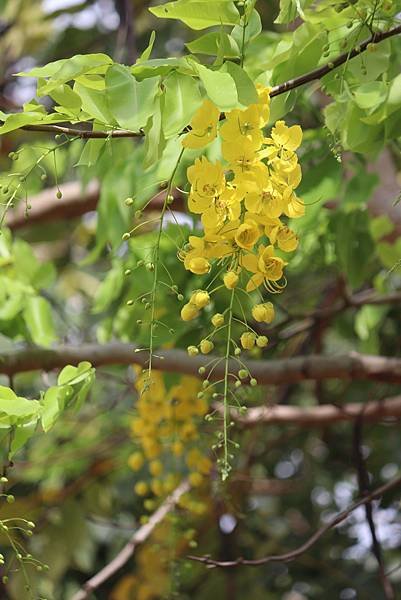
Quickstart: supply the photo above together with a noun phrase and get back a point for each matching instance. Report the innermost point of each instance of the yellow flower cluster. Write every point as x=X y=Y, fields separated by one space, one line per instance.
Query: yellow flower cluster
x=165 y=428
x=244 y=197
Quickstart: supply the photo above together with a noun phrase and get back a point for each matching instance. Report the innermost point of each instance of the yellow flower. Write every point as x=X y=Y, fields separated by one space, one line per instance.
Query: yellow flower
x=266 y=266
x=264 y=103
x=241 y=157
x=263 y=313
x=243 y=125
x=231 y=280
x=247 y=235
x=207 y=181
x=286 y=239
x=204 y=126
x=248 y=340
x=289 y=138
x=224 y=207
x=189 y=312
x=218 y=320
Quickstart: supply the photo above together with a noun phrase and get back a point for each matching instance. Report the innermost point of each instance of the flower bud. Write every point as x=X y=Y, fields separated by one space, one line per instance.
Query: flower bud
x=248 y=340
x=200 y=299
x=189 y=312
x=230 y=280
x=261 y=341
x=263 y=313
x=206 y=346
x=199 y=265
x=218 y=320
x=192 y=350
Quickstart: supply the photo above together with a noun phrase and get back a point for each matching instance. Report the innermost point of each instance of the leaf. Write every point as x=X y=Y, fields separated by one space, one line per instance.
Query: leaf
x=66 y=97
x=367 y=319
x=371 y=95
x=91 y=153
x=52 y=404
x=15 y=410
x=380 y=227
x=94 y=103
x=182 y=98
x=246 y=90
x=72 y=375
x=131 y=102
x=215 y=43
x=20 y=437
x=39 y=321
x=155 y=141
x=219 y=86
x=148 y=50
x=62 y=71
x=253 y=29
x=199 y=14
x=109 y=289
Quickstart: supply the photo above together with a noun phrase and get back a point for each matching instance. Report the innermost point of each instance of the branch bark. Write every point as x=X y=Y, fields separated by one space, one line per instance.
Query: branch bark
x=290 y=556
x=351 y=365
x=320 y=416
x=282 y=88
x=140 y=536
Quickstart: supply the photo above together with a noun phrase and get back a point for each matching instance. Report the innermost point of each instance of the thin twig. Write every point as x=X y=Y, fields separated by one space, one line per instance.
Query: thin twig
x=290 y=556
x=140 y=536
x=364 y=485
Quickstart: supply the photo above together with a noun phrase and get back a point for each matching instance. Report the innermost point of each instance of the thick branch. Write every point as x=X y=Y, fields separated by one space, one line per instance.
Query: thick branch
x=290 y=556
x=282 y=88
x=140 y=536
x=288 y=370
x=320 y=416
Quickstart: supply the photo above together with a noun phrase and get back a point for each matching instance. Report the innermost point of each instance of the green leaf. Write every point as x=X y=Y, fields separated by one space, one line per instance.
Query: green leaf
x=381 y=226
x=94 y=103
x=148 y=50
x=253 y=29
x=20 y=437
x=367 y=319
x=246 y=90
x=66 y=97
x=131 y=102
x=70 y=375
x=62 y=71
x=199 y=14
x=219 y=86
x=109 y=289
x=371 y=95
x=53 y=402
x=91 y=153
x=15 y=410
x=39 y=321
x=155 y=141
x=182 y=98
x=215 y=43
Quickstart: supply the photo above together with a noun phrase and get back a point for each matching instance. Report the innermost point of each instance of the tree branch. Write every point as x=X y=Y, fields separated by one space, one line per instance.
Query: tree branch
x=282 y=88
x=290 y=556
x=140 y=536
x=351 y=365
x=320 y=416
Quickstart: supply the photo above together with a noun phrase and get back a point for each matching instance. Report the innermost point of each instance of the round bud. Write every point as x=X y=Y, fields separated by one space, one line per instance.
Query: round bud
x=253 y=382
x=138 y=214
x=140 y=263
x=59 y=194
x=237 y=351
x=243 y=373
x=129 y=201
x=139 y=321
x=263 y=313
x=192 y=350
x=130 y=302
x=126 y=236
x=201 y=370
x=230 y=280
x=218 y=320
x=205 y=384
x=248 y=340
x=189 y=312
x=261 y=341
x=180 y=297
x=206 y=346
x=127 y=272
x=3 y=479
x=150 y=266
x=200 y=299
x=238 y=383
x=10 y=499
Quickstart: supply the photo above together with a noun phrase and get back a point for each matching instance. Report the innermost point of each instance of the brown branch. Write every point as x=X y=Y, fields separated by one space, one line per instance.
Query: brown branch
x=282 y=88
x=140 y=536
x=290 y=556
x=333 y=64
x=349 y=366
x=322 y=415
